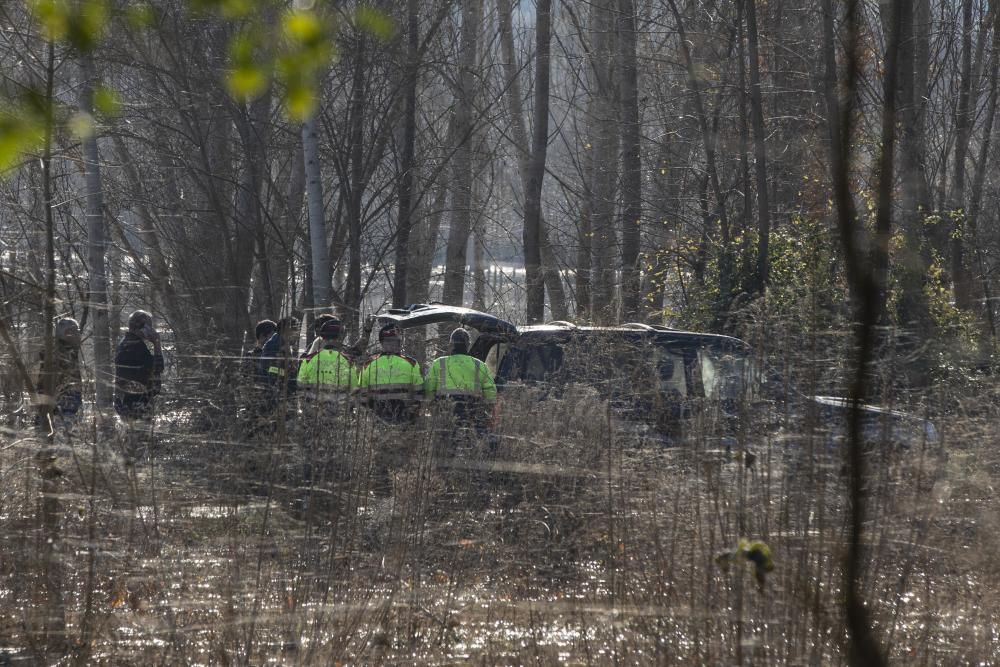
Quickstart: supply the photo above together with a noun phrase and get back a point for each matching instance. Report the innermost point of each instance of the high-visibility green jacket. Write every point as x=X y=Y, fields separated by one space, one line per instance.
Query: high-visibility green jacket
x=460 y=375
x=391 y=376
x=328 y=369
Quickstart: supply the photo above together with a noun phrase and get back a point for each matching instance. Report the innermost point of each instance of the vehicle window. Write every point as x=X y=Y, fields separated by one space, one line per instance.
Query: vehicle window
x=534 y=369
x=670 y=370
x=495 y=357
x=726 y=375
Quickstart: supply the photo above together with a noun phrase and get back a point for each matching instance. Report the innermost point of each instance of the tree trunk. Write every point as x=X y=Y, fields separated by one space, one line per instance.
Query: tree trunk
x=317 y=225
x=631 y=217
x=535 y=288
x=978 y=183
x=97 y=243
x=550 y=264
x=603 y=136
x=760 y=151
x=352 y=293
x=912 y=266
x=961 y=277
x=406 y=166
x=465 y=130
x=253 y=124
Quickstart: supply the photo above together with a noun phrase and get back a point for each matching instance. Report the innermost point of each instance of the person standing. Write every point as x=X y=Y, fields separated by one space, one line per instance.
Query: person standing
x=391 y=383
x=327 y=373
x=137 y=369
x=250 y=368
x=67 y=396
x=463 y=380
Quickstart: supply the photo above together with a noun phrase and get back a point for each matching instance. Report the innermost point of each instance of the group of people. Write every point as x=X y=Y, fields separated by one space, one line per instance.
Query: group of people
x=331 y=374
x=138 y=369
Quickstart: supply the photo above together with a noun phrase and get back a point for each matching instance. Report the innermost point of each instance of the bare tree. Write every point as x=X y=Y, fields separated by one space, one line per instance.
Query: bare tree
x=461 y=180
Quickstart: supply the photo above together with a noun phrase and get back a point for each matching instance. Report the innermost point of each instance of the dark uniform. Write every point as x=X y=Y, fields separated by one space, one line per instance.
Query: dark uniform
x=67 y=397
x=137 y=370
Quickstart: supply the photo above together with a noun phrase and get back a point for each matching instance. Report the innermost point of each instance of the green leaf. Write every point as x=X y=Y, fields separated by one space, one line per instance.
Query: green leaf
x=53 y=17
x=248 y=78
x=87 y=24
x=140 y=15
x=301 y=26
x=375 y=22
x=300 y=101
x=106 y=102
x=246 y=82
x=21 y=131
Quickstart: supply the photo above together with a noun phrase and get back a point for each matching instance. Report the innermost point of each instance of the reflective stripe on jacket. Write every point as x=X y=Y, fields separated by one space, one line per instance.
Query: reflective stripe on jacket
x=329 y=369
x=459 y=375
x=391 y=376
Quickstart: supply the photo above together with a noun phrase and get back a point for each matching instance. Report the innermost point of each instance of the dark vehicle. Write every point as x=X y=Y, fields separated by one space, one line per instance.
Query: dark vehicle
x=657 y=381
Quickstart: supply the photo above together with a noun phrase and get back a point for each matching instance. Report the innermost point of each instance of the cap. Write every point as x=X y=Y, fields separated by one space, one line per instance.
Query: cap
x=330 y=328
x=459 y=338
x=321 y=320
x=389 y=331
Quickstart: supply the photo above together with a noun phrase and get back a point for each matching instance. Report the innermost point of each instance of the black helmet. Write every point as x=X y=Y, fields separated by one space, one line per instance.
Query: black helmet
x=330 y=328
x=389 y=331
x=321 y=320
x=459 y=340
x=139 y=319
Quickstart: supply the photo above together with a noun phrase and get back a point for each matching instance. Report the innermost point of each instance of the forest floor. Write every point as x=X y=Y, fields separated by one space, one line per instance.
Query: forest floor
x=561 y=538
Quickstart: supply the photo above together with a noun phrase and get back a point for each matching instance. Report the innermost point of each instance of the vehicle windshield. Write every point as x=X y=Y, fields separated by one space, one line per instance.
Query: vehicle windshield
x=727 y=375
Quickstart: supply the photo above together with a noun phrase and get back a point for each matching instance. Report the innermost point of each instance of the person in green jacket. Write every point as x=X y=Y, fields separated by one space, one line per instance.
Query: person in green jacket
x=327 y=376
x=391 y=383
x=463 y=380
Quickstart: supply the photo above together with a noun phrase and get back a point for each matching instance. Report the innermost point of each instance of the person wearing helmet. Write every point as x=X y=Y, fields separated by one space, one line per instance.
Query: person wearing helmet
x=317 y=342
x=137 y=369
x=462 y=379
x=66 y=397
x=391 y=383
x=354 y=352
x=327 y=373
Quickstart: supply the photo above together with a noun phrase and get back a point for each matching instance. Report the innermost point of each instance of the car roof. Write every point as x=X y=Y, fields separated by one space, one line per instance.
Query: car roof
x=434 y=313
x=421 y=314
x=636 y=331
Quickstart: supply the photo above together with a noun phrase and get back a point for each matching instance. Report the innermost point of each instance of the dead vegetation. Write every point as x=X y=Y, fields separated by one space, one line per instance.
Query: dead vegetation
x=564 y=536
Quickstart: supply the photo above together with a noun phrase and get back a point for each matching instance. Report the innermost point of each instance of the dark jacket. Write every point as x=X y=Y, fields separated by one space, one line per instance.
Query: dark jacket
x=137 y=377
x=276 y=367
x=68 y=397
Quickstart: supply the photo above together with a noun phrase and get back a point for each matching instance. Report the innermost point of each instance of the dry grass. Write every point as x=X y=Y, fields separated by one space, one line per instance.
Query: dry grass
x=564 y=537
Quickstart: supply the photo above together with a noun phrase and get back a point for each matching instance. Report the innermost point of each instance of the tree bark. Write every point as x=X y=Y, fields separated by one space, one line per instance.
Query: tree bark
x=321 y=281
x=97 y=244
x=961 y=277
x=406 y=166
x=914 y=204
x=535 y=306
x=352 y=292
x=631 y=217
x=465 y=131
x=550 y=264
x=603 y=137
x=760 y=151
